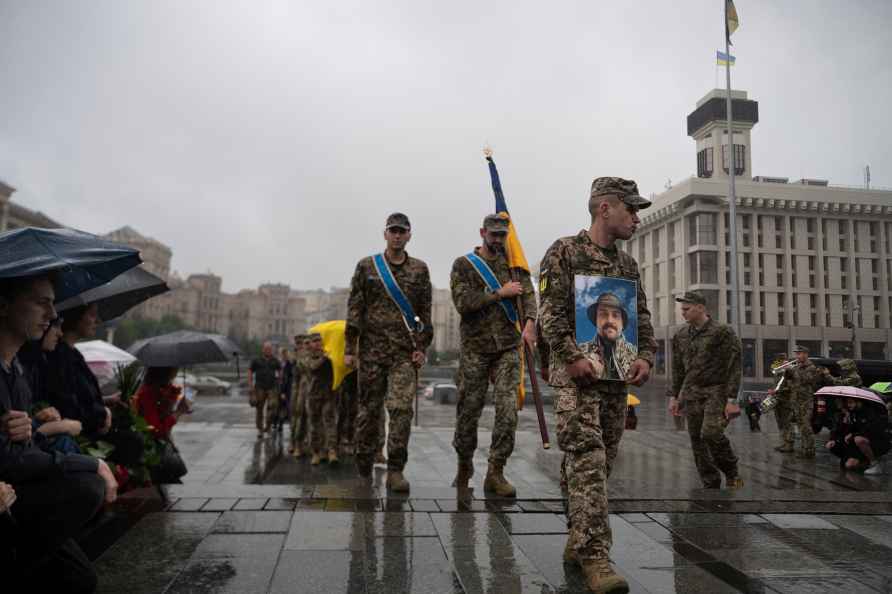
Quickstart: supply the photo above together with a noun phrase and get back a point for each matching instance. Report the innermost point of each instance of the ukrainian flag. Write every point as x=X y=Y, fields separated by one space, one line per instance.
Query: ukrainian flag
x=334 y=341
x=723 y=59
x=516 y=259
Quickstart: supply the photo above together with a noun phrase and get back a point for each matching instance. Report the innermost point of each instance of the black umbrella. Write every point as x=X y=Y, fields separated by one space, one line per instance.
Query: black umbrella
x=80 y=261
x=183 y=348
x=124 y=292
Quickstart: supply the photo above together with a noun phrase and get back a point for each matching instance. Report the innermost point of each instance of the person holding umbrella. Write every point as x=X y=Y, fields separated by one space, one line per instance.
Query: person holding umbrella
x=56 y=494
x=859 y=437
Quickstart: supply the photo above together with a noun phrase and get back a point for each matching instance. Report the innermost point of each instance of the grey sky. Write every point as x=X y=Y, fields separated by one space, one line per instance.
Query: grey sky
x=267 y=141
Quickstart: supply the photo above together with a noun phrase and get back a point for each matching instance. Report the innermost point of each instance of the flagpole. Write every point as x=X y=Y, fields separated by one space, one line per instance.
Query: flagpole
x=732 y=194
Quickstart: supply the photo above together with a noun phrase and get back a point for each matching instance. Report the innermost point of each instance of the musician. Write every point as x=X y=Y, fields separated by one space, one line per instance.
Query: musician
x=801 y=380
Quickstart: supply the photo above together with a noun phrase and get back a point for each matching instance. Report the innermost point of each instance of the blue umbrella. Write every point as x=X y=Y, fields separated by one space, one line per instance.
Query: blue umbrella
x=80 y=261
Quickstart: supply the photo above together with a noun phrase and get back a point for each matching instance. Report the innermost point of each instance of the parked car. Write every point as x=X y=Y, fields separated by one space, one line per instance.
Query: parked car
x=211 y=385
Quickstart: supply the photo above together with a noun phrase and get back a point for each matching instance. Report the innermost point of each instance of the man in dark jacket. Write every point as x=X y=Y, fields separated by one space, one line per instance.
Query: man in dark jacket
x=56 y=494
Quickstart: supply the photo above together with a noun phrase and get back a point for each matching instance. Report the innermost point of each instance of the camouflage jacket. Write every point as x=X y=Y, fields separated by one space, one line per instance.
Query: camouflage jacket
x=566 y=258
x=705 y=361
x=319 y=375
x=848 y=378
x=484 y=326
x=376 y=330
x=623 y=355
x=301 y=372
x=802 y=381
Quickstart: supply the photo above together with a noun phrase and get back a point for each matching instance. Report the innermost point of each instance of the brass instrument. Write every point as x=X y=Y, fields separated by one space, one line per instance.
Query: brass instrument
x=780 y=369
x=771 y=401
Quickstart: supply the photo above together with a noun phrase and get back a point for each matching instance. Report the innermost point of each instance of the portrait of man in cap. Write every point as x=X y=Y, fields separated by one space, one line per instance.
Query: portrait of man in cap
x=604 y=331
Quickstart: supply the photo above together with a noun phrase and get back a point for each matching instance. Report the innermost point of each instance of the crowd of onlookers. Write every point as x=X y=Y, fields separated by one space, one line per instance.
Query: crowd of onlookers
x=51 y=409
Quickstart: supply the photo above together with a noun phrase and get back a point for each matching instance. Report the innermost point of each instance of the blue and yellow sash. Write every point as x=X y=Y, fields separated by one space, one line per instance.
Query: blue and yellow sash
x=413 y=322
x=490 y=280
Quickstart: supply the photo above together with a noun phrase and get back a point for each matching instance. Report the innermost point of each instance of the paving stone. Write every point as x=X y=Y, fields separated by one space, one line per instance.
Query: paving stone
x=190 y=504
x=162 y=542
x=798 y=522
x=677 y=520
x=311 y=505
x=462 y=505
x=533 y=506
x=253 y=522
x=335 y=531
x=372 y=505
x=508 y=506
x=220 y=504
x=238 y=563
x=340 y=505
x=498 y=570
x=534 y=523
x=406 y=565
x=635 y=517
x=809 y=585
x=400 y=524
x=469 y=530
x=866 y=526
x=689 y=579
x=424 y=505
x=281 y=503
x=312 y=572
x=250 y=504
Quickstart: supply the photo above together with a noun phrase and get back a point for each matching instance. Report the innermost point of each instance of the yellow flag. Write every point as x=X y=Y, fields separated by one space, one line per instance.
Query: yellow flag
x=333 y=342
x=732 y=21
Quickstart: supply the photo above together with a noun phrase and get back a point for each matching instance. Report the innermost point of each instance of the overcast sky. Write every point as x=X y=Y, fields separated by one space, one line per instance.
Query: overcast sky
x=268 y=140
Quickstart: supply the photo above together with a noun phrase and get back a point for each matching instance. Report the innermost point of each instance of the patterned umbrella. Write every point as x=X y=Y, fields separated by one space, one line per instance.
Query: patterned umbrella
x=850 y=392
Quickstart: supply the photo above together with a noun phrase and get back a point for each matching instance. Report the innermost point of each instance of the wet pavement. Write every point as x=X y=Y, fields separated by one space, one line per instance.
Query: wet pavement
x=250 y=519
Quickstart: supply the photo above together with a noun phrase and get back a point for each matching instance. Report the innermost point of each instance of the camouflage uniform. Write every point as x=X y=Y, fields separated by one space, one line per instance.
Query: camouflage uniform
x=489 y=349
x=377 y=334
x=590 y=419
x=800 y=383
x=299 y=409
x=706 y=372
x=849 y=377
x=347 y=408
x=322 y=403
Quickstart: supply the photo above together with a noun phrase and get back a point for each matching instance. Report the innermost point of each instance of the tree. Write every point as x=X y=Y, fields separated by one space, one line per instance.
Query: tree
x=129 y=331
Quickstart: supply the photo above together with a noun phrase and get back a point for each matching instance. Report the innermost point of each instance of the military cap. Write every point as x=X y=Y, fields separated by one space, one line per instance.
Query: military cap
x=693 y=297
x=624 y=189
x=610 y=300
x=496 y=223
x=398 y=219
x=800 y=349
x=314 y=336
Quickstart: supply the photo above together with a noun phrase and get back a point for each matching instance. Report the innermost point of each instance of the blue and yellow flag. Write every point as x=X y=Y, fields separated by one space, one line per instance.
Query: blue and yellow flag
x=516 y=257
x=333 y=342
x=723 y=59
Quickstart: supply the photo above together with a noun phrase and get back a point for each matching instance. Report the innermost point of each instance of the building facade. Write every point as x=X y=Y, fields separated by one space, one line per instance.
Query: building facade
x=16 y=216
x=814 y=261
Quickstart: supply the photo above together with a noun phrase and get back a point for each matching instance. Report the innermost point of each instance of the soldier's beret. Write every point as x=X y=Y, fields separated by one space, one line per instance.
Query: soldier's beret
x=610 y=300
x=624 y=189
x=398 y=219
x=496 y=222
x=695 y=297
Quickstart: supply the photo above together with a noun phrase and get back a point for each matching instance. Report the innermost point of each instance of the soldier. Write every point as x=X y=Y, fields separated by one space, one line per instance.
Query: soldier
x=800 y=383
x=591 y=413
x=299 y=411
x=609 y=351
x=321 y=403
x=484 y=295
x=849 y=377
x=388 y=331
x=347 y=407
x=706 y=374
x=263 y=383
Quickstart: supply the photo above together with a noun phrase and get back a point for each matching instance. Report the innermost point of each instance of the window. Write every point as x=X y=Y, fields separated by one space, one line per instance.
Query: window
x=781 y=309
x=840 y=349
x=846 y=312
x=773 y=350
x=708 y=268
x=876 y=312
x=655 y=243
x=843 y=240
x=762 y=308
x=827 y=317
x=747 y=308
x=704 y=163
x=759 y=223
x=739 y=159
x=824 y=234
x=673 y=226
x=811 y=271
x=673 y=281
x=813 y=346
x=873 y=350
x=727 y=268
x=746 y=221
x=706 y=229
x=660 y=358
x=747 y=269
x=692 y=230
x=712 y=299
x=779 y=232
x=761 y=270
x=657 y=274
x=749 y=357
x=779 y=264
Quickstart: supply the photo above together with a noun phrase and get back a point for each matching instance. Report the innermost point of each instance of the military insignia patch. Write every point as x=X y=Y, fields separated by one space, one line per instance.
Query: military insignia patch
x=543 y=280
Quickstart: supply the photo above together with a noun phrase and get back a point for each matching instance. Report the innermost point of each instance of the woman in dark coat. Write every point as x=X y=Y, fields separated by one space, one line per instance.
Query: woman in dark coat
x=860 y=437
x=74 y=391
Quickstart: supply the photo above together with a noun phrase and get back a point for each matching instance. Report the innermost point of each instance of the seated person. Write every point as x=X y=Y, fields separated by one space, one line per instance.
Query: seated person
x=56 y=494
x=859 y=436
x=158 y=401
x=74 y=391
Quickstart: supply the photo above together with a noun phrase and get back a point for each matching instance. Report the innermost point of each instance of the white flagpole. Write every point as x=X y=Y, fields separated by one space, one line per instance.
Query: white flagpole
x=732 y=194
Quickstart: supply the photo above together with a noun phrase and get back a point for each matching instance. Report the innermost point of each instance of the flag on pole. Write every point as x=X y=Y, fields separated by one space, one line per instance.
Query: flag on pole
x=723 y=59
x=514 y=252
x=732 y=21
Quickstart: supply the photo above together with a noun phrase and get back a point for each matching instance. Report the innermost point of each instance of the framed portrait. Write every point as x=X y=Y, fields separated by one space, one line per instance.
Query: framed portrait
x=607 y=323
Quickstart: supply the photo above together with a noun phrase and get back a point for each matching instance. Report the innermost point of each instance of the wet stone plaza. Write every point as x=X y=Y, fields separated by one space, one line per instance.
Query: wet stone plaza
x=249 y=518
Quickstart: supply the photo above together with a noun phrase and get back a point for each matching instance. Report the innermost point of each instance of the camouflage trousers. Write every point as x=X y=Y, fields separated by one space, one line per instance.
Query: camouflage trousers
x=585 y=417
x=613 y=422
x=348 y=406
x=785 y=416
x=299 y=418
x=476 y=369
x=803 y=405
x=712 y=449
x=323 y=422
x=391 y=386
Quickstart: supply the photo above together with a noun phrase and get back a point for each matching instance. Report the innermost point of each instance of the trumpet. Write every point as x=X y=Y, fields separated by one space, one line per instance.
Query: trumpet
x=780 y=369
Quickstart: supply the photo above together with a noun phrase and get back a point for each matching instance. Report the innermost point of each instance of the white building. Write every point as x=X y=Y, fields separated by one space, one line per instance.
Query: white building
x=815 y=260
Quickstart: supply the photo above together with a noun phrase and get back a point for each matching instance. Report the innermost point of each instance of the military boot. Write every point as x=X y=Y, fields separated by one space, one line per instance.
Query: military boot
x=570 y=553
x=332 y=456
x=495 y=482
x=784 y=448
x=396 y=482
x=316 y=459
x=464 y=474
x=600 y=577
x=299 y=452
x=734 y=483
